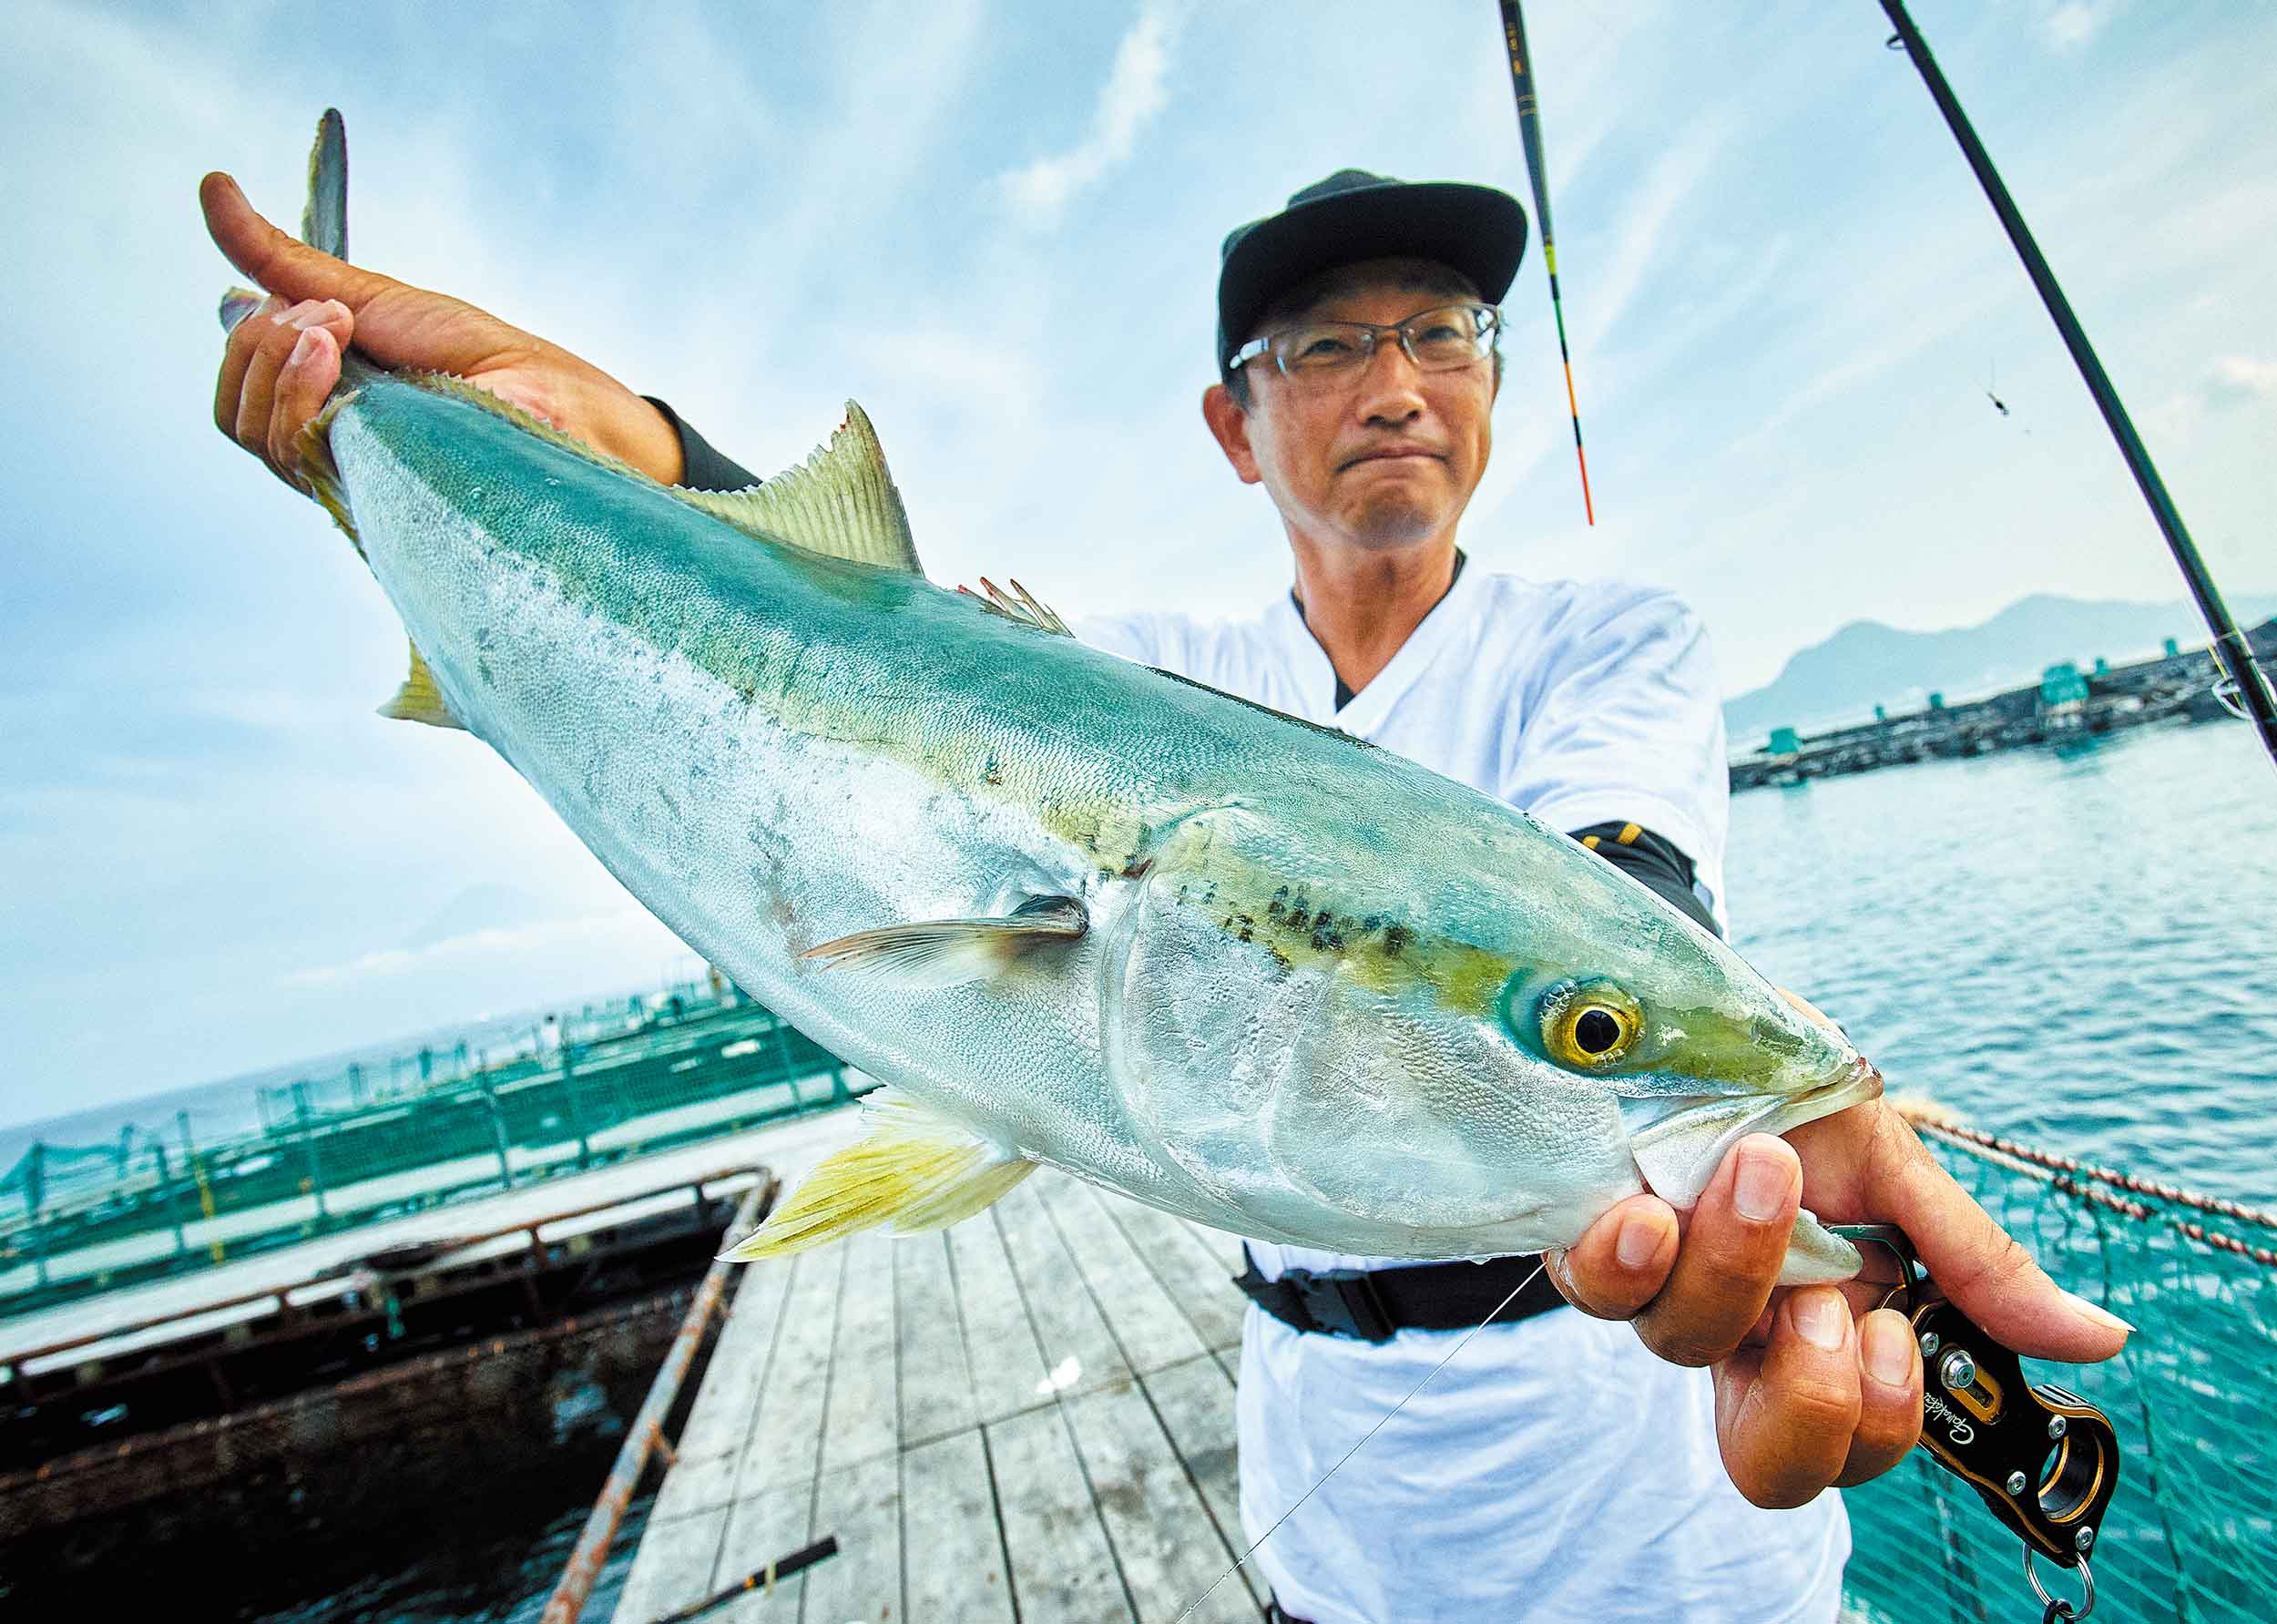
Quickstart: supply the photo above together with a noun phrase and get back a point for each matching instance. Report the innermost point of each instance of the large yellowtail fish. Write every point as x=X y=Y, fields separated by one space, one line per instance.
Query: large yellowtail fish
x=1074 y=911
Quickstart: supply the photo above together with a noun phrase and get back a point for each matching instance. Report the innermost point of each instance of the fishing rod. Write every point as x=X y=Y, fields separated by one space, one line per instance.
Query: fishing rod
x=2233 y=656
x=1530 y=135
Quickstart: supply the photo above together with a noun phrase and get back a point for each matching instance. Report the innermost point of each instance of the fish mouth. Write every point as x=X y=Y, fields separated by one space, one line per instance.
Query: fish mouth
x=1859 y=1081
x=1678 y=1151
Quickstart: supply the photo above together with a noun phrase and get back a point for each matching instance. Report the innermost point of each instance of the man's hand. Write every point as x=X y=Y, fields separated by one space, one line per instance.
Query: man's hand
x=1811 y=1389
x=285 y=359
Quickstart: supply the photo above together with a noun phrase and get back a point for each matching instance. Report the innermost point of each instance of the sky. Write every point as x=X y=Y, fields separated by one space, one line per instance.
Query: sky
x=996 y=226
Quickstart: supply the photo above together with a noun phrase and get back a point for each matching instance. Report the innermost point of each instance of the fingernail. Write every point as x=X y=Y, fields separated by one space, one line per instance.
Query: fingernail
x=1823 y=1317
x=314 y=313
x=1635 y=1243
x=1765 y=1178
x=1888 y=1345
x=302 y=348
x=2101 y=1317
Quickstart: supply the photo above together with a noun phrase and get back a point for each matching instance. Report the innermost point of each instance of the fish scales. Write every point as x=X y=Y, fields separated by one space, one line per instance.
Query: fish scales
x=1077 y=911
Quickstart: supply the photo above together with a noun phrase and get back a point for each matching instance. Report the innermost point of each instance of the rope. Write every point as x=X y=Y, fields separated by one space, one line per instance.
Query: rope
x=1924 y=1119
x=2072 y=1177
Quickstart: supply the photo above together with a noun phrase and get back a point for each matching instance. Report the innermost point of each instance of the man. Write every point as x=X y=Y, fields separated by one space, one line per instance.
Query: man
x=1554 y=1468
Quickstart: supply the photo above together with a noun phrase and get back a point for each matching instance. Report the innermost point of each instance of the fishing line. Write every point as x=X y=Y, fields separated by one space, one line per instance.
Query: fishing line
x=1361 y=1444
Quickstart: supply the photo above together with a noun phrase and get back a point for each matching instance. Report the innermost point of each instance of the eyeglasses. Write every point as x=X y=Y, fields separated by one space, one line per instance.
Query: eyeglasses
x=1436 y=341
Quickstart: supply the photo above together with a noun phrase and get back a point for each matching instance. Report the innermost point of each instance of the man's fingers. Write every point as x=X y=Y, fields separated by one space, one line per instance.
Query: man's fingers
x=1786 y=1414
x=276 y=259
x=309 y=375
x=1730 y=1255
x=1621 y=1261
x=1889 y=1396
x=236 y=356
x=1976 y=1263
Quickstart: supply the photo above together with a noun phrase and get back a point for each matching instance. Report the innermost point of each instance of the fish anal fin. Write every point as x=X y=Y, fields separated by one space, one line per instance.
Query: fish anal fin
x=939 y=952
x=419 y=699
x=915 y=1168
x=1019 y=605
x=841 y=503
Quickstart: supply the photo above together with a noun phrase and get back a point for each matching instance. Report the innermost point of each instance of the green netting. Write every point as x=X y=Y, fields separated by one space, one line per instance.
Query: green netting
x=2191 y=1535
x=336 y=1152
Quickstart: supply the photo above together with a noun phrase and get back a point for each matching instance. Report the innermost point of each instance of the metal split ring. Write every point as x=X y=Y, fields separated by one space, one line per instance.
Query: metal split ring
x=2059 y=1609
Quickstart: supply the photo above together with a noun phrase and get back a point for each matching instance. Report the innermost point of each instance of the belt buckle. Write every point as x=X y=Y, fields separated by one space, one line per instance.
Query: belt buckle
x=1342 y=1302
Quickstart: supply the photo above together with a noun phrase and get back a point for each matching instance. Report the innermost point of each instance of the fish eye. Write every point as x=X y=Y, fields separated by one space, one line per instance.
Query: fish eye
x=1589 y=1024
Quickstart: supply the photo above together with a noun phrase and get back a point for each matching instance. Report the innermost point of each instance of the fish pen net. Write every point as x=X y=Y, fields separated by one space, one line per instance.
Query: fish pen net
x=376 y=1141
x=2192 y=1534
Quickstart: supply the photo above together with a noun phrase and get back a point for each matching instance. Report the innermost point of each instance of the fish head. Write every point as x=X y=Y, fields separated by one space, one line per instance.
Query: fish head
x=1698 y=1050
x=1355 y=1049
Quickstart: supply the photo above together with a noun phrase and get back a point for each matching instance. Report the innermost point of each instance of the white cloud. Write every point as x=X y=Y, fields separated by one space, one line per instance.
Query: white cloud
x=2073 y=24
x=1136 y=91
x=2236 y=379
x=488 y=946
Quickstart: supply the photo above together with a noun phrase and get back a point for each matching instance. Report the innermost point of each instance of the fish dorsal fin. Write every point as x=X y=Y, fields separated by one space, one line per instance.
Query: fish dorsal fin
x=841 y=503
x=915 y=1167
x=1019 y=605
x=419 y=699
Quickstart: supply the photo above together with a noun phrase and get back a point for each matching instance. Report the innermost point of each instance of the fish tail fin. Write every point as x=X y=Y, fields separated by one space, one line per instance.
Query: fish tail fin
x=915 y=1167
x=323 y=222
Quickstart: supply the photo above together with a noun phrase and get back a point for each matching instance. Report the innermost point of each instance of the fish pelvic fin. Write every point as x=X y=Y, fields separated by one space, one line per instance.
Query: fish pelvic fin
x=937 y=953
x=915 y=1167
x=419 y=699
x=324 y=222
x=841 y=503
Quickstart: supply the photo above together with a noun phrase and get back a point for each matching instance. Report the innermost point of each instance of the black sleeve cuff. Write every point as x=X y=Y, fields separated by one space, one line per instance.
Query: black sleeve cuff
x=1653 y=863
x=702 y=467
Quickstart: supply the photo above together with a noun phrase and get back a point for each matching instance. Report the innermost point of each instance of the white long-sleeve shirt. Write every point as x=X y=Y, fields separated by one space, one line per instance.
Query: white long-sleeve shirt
x=1555 y=1469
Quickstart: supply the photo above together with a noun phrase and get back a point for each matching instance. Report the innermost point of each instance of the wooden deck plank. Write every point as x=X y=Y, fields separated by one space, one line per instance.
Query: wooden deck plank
x=953 y=1559
x=1195 y=1402
x=1062 y=1567
x=1195 y=1273
x=862 y=1505
x=1148 y=1327
x=936 y=1380
x=1068 y=1322
x=785 y=1439
x=721 y=1418
x=1007 y=1364
x=762 y=1528
x=865 y=1410
x=672 y=1569
x=1166 y=1542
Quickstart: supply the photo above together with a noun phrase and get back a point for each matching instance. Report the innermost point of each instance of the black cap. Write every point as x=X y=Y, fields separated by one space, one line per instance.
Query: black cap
x=1353 y=216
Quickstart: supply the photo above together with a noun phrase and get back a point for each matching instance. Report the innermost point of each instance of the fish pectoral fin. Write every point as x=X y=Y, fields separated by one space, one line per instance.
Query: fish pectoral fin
x=841 y=503
x=915 y=1167
x=1019 y=604
x=419 y=699
x=937 y=953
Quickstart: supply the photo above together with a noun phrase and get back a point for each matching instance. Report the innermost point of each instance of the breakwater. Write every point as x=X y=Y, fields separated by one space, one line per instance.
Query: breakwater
x=2066 y=705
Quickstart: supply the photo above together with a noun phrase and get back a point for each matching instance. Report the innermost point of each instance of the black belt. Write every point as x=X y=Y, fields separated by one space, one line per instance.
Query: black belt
x=1372 y=1304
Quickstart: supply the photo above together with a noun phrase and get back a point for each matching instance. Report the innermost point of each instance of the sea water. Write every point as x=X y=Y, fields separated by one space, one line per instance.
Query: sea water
x=2078 y=951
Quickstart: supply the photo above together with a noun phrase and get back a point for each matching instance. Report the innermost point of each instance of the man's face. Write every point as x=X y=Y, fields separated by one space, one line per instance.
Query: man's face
x=1379 y=457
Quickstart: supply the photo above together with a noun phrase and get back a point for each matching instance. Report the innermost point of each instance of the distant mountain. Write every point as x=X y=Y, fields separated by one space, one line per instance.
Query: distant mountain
x=1867 y=663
